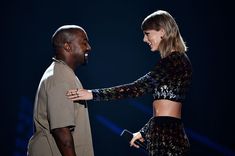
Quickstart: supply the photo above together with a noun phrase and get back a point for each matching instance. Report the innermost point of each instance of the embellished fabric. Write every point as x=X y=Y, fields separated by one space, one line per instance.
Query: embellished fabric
x=169 y=79
x=166 y=137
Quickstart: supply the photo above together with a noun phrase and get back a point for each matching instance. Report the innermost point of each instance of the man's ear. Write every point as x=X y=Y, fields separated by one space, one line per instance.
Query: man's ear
x=67 y=47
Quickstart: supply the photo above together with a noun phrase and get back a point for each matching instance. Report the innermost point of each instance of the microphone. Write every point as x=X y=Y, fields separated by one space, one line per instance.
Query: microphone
x=128 y=136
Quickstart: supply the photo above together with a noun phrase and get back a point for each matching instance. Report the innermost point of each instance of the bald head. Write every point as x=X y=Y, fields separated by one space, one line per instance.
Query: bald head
x=70 y=43
x=65 y=34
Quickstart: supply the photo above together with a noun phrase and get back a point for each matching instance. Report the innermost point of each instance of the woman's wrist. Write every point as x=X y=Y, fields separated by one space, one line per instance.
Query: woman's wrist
x=91 y=94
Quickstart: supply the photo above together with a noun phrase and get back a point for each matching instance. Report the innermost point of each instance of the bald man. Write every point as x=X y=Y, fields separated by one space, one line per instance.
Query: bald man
x=60 y=126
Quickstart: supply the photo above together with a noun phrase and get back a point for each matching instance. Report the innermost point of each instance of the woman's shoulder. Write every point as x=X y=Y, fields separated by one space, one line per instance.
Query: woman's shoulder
x=174 y=61
x=176 y=58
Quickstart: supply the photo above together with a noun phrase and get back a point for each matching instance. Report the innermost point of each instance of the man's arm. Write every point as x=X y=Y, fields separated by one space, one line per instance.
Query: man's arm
x=64 y=141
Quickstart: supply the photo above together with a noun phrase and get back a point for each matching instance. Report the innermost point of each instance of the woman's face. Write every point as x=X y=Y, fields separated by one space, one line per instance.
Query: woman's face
x=153 y=38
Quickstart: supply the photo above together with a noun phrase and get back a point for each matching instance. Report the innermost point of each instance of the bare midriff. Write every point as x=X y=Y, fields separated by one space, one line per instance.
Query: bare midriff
x=167 y=108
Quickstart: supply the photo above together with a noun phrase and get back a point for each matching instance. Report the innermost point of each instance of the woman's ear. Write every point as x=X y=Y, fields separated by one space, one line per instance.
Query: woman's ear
x=162 y=32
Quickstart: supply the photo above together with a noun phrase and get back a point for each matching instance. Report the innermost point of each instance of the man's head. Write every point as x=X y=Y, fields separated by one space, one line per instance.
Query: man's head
x=70 y=43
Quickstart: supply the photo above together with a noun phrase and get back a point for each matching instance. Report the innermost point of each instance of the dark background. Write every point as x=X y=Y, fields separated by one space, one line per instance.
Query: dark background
x=119 y=56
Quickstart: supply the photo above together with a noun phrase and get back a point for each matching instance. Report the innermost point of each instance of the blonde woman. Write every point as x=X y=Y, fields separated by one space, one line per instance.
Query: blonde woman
x=168 y=82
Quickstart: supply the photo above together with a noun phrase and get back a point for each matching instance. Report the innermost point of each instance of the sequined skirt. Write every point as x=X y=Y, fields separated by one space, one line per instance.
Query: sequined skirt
x=166 y=137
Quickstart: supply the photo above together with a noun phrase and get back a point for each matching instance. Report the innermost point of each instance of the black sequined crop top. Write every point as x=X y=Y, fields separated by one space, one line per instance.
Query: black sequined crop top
x=169 y=79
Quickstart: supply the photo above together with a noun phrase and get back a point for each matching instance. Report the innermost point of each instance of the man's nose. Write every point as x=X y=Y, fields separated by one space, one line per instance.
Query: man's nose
x=88 y=47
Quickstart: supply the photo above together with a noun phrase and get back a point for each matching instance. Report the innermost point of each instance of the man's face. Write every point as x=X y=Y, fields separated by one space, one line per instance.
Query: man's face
x=80 y=48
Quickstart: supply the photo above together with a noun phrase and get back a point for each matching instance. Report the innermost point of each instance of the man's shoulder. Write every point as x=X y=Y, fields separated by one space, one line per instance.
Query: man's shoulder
x=58 y=73
x=58 y=70
x=63 y=68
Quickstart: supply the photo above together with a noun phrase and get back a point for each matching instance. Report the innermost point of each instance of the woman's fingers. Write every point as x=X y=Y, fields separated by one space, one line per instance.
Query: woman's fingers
x=73 y=96
x=136 y=136
x=132 y=143
x=79 y=94
x=73 y=91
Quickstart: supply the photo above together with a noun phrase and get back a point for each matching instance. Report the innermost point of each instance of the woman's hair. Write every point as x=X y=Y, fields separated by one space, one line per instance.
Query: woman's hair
x=172 y=39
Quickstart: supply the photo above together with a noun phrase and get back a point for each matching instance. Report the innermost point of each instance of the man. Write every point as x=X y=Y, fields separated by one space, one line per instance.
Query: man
x=62 y=127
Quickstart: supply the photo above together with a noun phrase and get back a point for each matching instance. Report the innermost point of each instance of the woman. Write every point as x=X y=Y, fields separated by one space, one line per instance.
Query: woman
x=168 y=81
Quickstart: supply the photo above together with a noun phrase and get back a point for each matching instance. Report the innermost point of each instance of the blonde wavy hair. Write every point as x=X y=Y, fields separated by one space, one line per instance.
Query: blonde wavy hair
x=172 y=39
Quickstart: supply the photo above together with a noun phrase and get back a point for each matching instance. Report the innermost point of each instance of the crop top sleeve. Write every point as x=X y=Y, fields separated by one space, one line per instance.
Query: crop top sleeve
x=169 y=79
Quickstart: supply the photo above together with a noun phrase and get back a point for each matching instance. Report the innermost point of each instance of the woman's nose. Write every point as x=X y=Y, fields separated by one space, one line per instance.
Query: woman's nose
x=145 y=38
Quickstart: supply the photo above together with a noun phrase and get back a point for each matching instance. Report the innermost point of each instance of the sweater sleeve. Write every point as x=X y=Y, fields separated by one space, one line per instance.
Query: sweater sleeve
x=131 y=90
x=141 y=86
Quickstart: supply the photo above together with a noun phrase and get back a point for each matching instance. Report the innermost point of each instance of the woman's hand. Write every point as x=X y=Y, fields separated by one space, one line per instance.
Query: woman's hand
x=79 y=94
x=136 y=136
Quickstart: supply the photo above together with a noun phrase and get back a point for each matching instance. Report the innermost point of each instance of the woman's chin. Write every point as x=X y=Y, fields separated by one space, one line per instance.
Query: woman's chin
x=153 y=49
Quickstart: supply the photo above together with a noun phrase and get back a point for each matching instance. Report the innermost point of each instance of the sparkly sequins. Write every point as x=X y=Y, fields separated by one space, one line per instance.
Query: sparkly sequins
x=164 y=92
x=166 y=137
x=168 y=80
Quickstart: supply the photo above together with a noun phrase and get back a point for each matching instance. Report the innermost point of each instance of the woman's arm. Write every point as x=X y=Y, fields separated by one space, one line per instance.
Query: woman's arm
x=137 y=88
x=141 y=86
